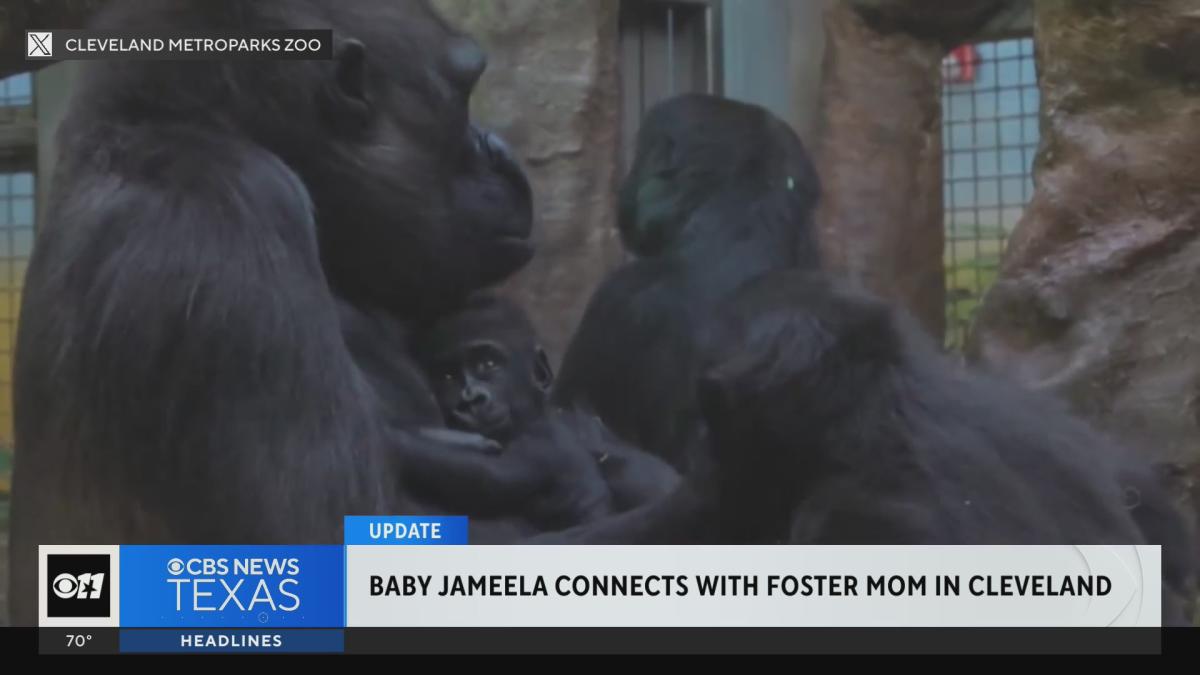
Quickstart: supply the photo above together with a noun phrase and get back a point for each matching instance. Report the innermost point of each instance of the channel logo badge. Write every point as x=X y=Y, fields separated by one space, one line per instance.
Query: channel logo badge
x=39 y=44
x=78 y=586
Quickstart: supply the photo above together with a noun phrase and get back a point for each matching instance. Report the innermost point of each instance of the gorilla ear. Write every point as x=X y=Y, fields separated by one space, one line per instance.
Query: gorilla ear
x=543 y=374
x=347 y=92
x=351 y=73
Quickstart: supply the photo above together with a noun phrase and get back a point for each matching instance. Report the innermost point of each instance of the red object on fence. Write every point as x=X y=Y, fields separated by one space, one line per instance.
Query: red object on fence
x=960 y=65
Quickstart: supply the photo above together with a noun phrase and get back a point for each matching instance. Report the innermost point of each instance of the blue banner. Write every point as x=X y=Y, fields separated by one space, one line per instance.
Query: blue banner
x=261 y=587
x=406 y=531
x=232 y=641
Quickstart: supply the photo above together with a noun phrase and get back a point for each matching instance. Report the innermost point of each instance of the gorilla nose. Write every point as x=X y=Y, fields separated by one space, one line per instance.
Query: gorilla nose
x=501 y=158
x=473 y=399
x=492 y=146
x=465 y=63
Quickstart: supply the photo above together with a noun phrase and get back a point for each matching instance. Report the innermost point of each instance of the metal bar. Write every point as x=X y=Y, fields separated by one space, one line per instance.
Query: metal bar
x=1021 y=51
x=709 y=52
x=1002 y=118
x=1006 y=176
x=975 y=191
x=642 y=68
x=670 y=50
x=1001 y=228
x=952 y=326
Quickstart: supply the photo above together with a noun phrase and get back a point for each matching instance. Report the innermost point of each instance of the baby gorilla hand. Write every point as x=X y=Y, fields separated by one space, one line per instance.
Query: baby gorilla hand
x=462 y=440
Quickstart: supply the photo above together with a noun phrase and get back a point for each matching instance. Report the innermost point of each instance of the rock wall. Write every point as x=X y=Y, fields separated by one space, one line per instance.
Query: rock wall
x=880 y=156
x=880 y=161
x=551 y=91
x=1099 y=295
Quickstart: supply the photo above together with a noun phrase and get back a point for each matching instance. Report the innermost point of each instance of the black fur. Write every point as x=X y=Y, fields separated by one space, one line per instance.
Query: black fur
x=380 y=345
x=854 y=429
x=565 y=470
x=550 y=470
x=181 y=371
x=720 y=193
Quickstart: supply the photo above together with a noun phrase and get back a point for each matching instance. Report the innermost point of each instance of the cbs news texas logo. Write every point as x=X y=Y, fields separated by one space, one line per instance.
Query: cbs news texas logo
x=241 y=584
x=78 y=586
x=191 y=586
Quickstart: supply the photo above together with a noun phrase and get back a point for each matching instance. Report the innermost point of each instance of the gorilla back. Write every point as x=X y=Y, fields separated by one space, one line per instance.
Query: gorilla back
x=181 y=374
x=720 y=192
x=847 y=426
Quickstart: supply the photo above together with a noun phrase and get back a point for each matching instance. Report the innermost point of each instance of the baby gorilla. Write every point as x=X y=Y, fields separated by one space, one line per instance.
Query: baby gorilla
x=489 y=374
x=544 y=469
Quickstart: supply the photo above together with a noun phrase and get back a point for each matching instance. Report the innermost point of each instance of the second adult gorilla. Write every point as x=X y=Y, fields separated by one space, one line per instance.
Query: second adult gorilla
x=720 y=193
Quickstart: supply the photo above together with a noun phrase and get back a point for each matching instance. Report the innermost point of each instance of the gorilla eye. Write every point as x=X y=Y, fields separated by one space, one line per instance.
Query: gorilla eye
x=486 y=365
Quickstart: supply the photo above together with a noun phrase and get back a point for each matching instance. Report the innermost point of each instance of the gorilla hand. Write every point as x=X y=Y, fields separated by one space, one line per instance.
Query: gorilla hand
x=460 y=470
x=461 y=440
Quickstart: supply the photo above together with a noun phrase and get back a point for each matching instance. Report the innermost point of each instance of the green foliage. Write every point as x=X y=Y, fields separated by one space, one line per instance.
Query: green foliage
x=5 y=471
x=972 y=264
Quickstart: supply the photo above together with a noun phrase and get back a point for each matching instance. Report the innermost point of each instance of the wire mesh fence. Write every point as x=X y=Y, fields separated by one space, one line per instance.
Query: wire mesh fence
x=17 y=198
x=16 y=90
x=990 y=137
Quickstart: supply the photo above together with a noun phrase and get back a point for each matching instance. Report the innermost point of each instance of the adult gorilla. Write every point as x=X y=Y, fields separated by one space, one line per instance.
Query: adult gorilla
x=720 y=193
x=181 y=371
x=854 y=428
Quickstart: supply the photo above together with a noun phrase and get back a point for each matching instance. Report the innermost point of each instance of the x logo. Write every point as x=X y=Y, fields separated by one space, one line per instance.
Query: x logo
x=39 y=45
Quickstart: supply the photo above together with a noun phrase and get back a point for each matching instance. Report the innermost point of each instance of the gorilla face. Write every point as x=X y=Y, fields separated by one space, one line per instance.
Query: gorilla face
x=417 y=206
x=487 y=368
x=484 y=387
x=694 y=146
x=492 y=199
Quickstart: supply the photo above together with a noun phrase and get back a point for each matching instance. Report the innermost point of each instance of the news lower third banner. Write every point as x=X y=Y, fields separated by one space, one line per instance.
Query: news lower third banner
x=403 y=573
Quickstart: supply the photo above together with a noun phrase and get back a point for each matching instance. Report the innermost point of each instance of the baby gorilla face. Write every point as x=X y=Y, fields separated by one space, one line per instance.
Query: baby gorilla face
x=487 y=370
x=475 y=386
x=485 y=388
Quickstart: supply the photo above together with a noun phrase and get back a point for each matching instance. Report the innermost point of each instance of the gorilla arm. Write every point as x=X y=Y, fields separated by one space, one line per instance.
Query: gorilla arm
x=463 y=471
x=634 y=382
x=681 y=517
x=682 y=512
x=633 y=477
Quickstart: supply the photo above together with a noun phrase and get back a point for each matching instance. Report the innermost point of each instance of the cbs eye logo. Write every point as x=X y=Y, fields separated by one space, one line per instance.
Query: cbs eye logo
x=77 y=586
